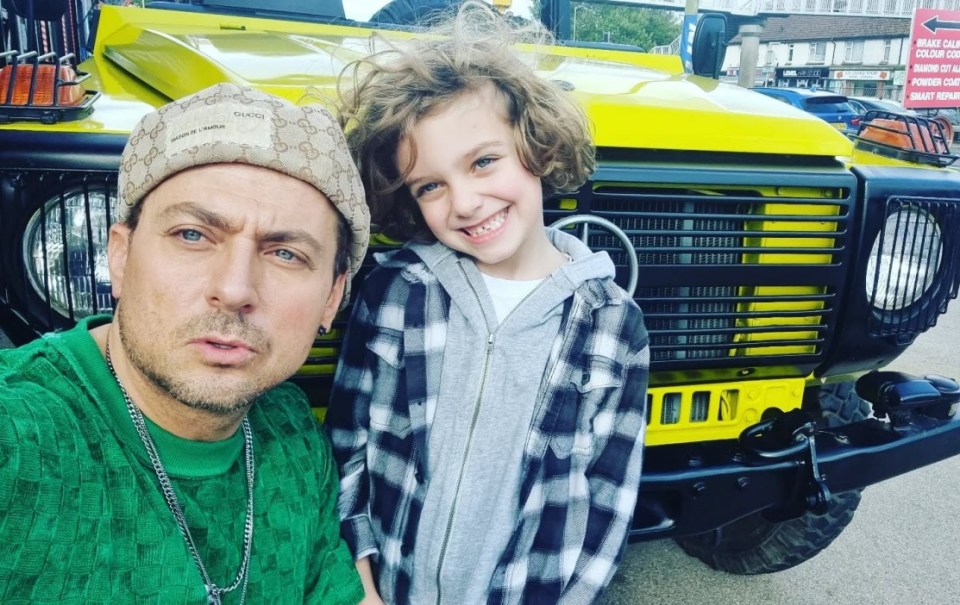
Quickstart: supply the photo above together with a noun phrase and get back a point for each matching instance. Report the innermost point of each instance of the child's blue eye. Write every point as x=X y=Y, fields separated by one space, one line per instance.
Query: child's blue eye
x=426 y=189
x=484 y=162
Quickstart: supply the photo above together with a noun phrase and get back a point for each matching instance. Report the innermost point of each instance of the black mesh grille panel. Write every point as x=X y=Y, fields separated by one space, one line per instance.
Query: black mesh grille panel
x=701 y=312
x=727 y=270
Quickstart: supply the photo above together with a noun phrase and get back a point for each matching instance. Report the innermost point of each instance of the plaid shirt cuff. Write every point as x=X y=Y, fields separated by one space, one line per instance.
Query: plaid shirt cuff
x=358 y=533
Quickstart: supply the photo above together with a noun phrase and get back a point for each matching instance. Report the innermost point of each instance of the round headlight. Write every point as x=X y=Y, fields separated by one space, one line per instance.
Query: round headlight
x=65 y=251
x=904 y=259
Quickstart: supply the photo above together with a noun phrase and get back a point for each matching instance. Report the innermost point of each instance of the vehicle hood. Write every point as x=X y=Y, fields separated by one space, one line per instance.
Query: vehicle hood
x=172 y=54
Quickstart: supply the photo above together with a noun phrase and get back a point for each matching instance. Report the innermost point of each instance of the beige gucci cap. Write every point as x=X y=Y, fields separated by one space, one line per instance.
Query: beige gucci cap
x=228 y=123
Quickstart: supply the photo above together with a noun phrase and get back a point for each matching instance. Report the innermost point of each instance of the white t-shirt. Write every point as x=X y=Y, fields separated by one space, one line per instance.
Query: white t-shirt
x=507 y=293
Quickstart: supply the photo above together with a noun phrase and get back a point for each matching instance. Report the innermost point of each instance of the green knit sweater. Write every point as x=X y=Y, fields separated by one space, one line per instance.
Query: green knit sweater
x=82 y=519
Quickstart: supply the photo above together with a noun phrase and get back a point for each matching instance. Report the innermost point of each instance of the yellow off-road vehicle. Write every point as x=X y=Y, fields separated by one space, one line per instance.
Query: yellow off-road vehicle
x=780 y=263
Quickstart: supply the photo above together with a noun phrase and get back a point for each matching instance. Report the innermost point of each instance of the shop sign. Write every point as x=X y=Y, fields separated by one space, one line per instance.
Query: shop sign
x=933 y=67
x=803 y=72
x=861 y=74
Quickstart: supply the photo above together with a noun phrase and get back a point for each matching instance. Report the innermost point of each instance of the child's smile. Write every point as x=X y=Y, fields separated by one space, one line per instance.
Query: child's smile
x=489 y=229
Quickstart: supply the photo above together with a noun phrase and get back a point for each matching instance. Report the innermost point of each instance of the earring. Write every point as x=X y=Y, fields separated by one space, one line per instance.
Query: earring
x=323 y=330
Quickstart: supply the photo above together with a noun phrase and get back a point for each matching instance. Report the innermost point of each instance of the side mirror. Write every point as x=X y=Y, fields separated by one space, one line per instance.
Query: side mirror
x=709 y=45
x=42 y=10
x=555 y=16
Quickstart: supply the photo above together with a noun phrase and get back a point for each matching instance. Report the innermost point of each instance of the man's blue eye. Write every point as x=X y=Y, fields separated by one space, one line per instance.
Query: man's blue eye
x=191 y=235
x=286 y=255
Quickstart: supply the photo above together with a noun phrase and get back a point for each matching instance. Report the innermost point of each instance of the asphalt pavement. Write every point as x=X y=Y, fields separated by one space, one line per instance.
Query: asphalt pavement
x=900 y=549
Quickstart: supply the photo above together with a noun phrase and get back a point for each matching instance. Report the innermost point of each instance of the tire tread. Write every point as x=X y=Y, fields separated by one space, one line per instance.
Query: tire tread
x=754 y=545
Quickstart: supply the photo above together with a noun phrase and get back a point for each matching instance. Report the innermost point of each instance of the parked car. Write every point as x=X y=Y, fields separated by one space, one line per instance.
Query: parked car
x=864 y=104
x=830 y=107
x=951 y=113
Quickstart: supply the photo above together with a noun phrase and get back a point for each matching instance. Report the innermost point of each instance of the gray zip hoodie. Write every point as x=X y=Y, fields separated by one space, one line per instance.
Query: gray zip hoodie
x=489 y=388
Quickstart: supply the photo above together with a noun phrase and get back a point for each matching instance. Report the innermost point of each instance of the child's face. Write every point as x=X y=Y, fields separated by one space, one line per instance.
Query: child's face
x=474 y=192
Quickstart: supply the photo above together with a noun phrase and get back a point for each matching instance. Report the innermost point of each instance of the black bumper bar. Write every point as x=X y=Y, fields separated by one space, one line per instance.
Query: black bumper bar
x=688 y=490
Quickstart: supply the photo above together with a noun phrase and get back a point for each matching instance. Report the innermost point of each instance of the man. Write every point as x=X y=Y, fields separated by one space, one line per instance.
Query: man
x=155 y=456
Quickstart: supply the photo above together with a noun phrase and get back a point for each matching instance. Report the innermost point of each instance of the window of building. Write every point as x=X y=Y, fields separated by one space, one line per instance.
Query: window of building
x=853 y=52
x=790 y=50
x=887 y=45
x=771 y=55
x=818 y=52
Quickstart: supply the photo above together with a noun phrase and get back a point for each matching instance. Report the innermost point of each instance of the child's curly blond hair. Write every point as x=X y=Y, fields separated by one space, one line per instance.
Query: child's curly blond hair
x=385 y=94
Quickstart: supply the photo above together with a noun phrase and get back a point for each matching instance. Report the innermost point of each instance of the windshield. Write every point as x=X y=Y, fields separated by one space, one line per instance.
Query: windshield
x=588 y=23
x=624 y=25
x=364 y=10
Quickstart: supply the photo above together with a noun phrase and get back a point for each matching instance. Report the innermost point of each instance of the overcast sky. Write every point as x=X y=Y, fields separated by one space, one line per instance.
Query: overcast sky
x=361 y=10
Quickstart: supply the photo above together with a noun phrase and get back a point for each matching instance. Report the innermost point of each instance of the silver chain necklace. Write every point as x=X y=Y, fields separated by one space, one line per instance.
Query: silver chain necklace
x=214 y=592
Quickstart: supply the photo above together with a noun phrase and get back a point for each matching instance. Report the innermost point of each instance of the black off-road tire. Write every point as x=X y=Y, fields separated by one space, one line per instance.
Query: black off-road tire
x=756 y=545
x=840 y=404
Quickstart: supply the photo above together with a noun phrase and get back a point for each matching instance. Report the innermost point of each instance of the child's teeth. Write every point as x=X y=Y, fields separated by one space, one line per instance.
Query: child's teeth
x=493 y=223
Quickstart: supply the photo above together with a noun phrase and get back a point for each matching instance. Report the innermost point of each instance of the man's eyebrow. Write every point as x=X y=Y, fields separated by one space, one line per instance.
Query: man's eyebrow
x=212 y=219
x=200 y=213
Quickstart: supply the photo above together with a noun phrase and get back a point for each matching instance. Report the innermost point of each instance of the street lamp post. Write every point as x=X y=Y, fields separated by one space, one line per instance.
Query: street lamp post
x=576 y=9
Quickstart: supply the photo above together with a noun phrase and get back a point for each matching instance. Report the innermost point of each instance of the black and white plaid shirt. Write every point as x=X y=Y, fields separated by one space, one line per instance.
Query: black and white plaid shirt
x=581 y=465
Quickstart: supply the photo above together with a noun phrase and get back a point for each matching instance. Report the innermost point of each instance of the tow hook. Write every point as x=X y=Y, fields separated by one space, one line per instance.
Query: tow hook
x=791 y=436
x=901 y=396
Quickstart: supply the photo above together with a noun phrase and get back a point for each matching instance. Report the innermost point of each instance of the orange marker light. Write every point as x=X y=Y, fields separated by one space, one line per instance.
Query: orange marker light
x=71 y=94
x=900 y=133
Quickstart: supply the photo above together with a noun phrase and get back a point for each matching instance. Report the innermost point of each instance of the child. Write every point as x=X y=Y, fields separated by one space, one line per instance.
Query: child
x=488 y=410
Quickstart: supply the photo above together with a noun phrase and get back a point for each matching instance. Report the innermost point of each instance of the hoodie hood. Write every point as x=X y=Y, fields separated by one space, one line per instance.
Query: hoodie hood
x=464 y=284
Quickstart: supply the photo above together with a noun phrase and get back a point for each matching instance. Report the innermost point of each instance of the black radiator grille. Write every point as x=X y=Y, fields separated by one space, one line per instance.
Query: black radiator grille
x=728 y=274
x=683 y=338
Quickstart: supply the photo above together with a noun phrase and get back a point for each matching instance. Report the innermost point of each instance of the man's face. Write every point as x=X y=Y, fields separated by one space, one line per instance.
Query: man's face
x=225 y=282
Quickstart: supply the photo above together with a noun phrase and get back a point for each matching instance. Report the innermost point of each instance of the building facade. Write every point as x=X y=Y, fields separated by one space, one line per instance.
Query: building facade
x=854 y=56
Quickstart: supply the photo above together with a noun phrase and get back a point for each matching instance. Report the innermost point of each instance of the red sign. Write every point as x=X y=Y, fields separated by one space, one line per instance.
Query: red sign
x=933 y=67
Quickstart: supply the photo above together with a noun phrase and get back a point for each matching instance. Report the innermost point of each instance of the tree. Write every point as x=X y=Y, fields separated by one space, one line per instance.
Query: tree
x=643 y=27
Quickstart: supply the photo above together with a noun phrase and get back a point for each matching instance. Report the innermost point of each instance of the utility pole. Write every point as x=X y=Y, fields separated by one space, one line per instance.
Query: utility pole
x=749 y=53
x=687 y=30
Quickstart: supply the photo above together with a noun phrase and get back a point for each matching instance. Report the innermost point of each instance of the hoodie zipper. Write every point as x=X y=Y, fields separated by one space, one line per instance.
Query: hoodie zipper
x=491 y=336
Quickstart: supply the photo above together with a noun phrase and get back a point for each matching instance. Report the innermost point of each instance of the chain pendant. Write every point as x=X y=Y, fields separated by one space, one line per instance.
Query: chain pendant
x=214 y=592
